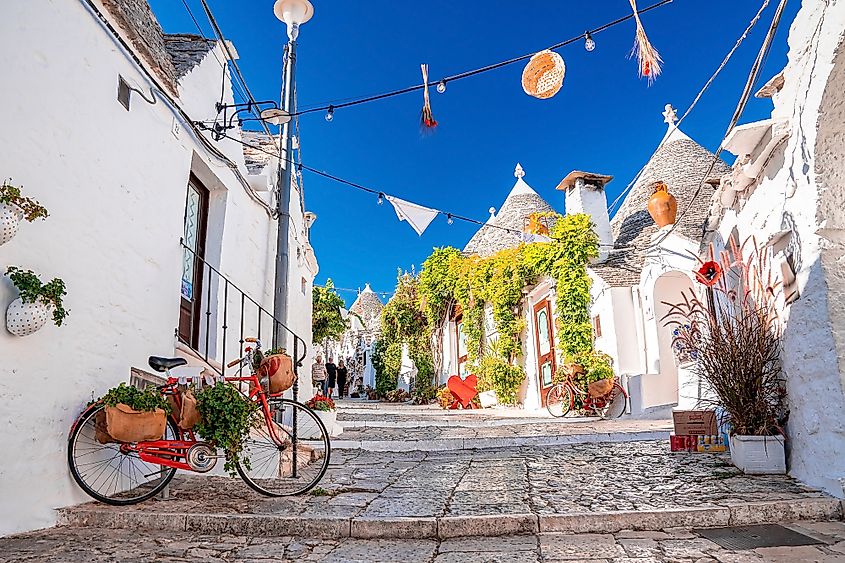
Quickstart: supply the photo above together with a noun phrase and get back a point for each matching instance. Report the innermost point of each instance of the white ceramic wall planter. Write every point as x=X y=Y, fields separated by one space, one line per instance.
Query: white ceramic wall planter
x=759 y=455
x=10 y=219
x=329 y=419
x=23 y=319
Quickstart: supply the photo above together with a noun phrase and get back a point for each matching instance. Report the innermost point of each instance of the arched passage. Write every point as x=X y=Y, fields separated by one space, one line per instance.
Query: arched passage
x=674 y=384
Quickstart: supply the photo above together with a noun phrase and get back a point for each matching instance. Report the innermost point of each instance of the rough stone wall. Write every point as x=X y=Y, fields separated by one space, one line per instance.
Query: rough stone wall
x=801 y=190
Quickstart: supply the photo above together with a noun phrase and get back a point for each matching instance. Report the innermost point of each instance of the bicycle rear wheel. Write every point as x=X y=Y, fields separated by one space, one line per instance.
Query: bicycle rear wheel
x=282 y=462
x=616 y=404
x=109 y=473
x=559 y=400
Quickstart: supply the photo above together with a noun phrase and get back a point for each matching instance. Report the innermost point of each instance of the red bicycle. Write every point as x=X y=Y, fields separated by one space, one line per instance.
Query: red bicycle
x=288 y=449
x=560 y=399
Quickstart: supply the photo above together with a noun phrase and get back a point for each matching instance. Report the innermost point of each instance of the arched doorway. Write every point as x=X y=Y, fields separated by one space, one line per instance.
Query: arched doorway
x=676 y=381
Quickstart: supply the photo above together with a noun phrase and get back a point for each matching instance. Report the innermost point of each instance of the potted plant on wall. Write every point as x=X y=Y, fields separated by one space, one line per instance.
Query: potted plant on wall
x=29 y=312
x=735 y=339
x=14 y=208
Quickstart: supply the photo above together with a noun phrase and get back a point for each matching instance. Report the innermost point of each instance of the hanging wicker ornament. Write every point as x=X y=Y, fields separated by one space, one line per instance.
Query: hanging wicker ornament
x=543 y=75
x=427 y=121
x=648 y=59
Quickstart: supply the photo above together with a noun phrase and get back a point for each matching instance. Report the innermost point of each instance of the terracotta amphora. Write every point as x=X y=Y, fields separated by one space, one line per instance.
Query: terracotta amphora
x=662 y=206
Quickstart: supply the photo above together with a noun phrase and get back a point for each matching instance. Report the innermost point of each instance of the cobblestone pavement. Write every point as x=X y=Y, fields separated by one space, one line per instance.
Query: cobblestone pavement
x=671 y=545
x=377 y=422
x=631 y=476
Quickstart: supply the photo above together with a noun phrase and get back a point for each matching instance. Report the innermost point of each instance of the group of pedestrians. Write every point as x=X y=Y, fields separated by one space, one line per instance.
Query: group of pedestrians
x=326 y=376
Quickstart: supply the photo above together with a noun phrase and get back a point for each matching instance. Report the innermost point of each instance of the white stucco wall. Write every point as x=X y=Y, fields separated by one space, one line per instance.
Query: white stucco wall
x=792 y=195
x=115 y=183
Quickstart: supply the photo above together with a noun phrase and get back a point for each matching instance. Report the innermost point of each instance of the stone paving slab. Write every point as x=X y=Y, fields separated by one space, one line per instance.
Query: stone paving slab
x=679 y=545
x=582 y=488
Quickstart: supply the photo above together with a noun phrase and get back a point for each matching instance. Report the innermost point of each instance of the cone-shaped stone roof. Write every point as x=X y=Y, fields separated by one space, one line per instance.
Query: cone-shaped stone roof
x=681 y=164
x=517 y=208
x=368 y=306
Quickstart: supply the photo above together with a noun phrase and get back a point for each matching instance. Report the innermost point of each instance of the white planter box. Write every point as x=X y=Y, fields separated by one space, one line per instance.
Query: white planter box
x=488 y=399
x=758 y=455
x=329 y=419
x=23 y=319
x=10 y=218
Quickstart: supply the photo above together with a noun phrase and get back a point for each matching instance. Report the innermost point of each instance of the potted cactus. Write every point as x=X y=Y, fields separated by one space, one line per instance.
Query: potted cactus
x=29 y=312
x=14 y=208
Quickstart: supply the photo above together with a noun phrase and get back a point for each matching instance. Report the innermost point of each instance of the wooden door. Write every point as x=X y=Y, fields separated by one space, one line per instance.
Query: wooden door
x=196 y=226
x=545 y=347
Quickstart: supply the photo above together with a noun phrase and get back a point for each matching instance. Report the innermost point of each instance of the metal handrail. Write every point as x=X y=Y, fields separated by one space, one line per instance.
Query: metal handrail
x=297 y=340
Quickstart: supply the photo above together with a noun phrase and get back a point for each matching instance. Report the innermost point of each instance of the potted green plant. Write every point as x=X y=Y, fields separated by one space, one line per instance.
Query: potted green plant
x=226 y=418
x=14 y=208
x=131 y=415
x=326 y=411
x=29 y=312
x=735 y=340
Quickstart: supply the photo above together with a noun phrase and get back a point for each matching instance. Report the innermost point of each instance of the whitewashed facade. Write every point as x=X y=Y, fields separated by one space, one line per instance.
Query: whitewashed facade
x=787 y=190
x=116 y=183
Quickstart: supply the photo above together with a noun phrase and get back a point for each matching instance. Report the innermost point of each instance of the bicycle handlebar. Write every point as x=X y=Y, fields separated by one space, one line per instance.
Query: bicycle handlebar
x=233 y=363
x=250 y=339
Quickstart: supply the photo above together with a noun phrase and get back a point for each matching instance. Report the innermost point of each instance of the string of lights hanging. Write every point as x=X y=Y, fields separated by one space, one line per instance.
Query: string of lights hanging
x=440 y=85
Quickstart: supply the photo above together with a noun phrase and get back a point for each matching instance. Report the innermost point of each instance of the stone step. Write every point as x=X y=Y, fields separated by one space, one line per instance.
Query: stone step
x=442 y=527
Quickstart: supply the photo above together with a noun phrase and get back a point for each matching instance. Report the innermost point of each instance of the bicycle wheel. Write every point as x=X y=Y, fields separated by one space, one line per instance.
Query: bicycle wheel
x=108 y=473
x=283 y=462
x=559 y=400
x=616 y=403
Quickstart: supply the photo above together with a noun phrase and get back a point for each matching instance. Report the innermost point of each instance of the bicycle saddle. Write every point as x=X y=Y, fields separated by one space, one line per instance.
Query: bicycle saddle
x=164 y=364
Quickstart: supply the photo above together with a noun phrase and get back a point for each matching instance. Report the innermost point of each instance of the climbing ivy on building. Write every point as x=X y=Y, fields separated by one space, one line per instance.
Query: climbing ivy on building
x=498 y=281
x=404 y=322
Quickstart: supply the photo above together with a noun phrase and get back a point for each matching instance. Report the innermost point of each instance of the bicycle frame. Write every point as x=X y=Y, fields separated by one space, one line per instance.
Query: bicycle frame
x=173 y=453
x=589 y=401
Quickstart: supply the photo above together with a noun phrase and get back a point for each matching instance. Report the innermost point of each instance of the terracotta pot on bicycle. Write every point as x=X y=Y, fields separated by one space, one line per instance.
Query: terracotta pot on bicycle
x=278 y=368
x=600 y=388
x=125 y=424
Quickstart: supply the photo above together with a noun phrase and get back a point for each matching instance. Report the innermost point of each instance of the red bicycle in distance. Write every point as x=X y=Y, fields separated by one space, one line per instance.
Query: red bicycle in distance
x=288 y=449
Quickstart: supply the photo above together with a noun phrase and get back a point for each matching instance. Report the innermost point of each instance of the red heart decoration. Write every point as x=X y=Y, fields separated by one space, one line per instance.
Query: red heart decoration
x=463 y=389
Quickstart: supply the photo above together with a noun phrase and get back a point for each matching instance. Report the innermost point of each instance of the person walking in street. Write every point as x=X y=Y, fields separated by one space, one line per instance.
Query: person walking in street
x=331 y=370
x=318 y=374
x=342 y=374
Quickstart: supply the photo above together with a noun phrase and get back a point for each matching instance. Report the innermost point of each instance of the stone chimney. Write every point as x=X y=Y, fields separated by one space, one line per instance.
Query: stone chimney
x=585 y=194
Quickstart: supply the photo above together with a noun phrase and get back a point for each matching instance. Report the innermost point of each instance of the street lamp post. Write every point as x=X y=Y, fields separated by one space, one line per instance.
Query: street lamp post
x=294 y=13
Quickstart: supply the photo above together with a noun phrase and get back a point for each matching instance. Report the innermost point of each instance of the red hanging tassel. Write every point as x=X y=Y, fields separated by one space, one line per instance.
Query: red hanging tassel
x=648 y=59
x=427 y=121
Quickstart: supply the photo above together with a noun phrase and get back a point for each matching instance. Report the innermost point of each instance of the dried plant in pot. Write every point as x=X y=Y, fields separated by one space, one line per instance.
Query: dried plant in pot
x=735 y=334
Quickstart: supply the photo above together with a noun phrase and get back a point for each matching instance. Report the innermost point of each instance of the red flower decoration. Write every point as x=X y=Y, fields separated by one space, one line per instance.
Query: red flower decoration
x=709 y=273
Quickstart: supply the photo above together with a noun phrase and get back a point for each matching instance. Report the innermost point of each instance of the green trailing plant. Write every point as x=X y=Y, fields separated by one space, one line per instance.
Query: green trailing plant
x=597 y=366
x=226 y=417
x=497 y=374
x=146 y=400
x=258 y=356
x=32 y=290
x=327 y=316
x=11 y=195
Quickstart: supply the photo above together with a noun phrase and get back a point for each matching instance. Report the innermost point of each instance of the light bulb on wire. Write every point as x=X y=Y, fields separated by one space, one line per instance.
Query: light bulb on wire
x=381 y=199
x=441 y=86
x=449 y=219
x=589 y=44
x=330 y=114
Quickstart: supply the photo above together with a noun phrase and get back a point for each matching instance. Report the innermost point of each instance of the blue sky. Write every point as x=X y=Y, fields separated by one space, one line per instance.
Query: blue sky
x=604 y=119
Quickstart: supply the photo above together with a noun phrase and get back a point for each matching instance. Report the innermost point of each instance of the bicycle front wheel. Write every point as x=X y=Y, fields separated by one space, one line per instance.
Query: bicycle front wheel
x=107 y=470
x=558 y=400
x=288 y=454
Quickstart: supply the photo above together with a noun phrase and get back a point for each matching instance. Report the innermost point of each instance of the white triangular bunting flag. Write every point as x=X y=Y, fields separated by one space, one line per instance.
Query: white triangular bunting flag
x=417 y=216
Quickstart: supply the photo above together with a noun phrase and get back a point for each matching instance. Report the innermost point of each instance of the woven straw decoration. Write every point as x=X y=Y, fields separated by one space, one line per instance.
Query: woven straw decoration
x=543 y=75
